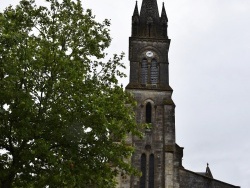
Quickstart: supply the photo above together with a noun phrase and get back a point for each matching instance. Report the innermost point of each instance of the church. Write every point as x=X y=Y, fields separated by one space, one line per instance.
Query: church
x=157 y=155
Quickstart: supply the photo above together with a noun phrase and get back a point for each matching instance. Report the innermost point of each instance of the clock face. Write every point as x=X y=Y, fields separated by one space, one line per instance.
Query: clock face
x=149 y=54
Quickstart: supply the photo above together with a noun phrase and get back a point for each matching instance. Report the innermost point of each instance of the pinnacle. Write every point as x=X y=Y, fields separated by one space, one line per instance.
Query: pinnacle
x=136 y=12
x=163 y=12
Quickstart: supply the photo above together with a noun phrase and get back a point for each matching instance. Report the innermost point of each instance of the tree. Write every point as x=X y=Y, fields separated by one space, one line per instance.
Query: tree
x=63 y=115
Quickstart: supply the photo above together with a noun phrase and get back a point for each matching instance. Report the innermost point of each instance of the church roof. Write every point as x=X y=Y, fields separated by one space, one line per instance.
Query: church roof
x=204 y=175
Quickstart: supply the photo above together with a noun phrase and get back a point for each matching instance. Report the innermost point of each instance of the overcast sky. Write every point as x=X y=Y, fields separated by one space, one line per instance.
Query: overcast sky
x=209 y=72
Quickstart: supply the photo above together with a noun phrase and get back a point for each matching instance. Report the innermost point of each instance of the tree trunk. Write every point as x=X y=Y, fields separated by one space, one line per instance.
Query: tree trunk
x=7 y=182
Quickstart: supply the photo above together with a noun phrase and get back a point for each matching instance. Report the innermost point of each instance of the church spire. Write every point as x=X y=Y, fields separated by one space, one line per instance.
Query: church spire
x=149 y=8
x=147 y=23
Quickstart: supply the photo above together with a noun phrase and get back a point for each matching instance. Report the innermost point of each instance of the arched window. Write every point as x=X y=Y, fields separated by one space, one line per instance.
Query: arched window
x=143 y=170
x=144 y=71
x=154 y=73
x=148 y=112
x=151 y=171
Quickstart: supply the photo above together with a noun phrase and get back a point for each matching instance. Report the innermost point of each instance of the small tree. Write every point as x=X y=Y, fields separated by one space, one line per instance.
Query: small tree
x=61 y=107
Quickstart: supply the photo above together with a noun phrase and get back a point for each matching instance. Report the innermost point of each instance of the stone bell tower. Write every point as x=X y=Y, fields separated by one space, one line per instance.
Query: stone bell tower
x=157 y=155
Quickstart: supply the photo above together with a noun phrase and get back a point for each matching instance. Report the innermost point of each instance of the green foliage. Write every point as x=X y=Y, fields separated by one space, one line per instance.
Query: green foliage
x=63 y=115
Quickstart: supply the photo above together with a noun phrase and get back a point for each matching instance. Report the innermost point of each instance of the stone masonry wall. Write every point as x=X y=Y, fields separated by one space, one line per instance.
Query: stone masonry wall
x=160 y=133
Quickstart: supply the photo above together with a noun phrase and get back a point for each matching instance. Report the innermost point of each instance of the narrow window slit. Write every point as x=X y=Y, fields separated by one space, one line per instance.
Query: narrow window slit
x=148 y=112
x=143 y=170
x=151 y=171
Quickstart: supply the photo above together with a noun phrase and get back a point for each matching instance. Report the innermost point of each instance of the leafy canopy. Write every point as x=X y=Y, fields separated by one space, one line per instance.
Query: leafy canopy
x=63 y=115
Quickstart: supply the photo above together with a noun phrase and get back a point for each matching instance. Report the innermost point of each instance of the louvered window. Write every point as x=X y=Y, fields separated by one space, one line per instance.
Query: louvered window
x=154 y=73
x=144 y=71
